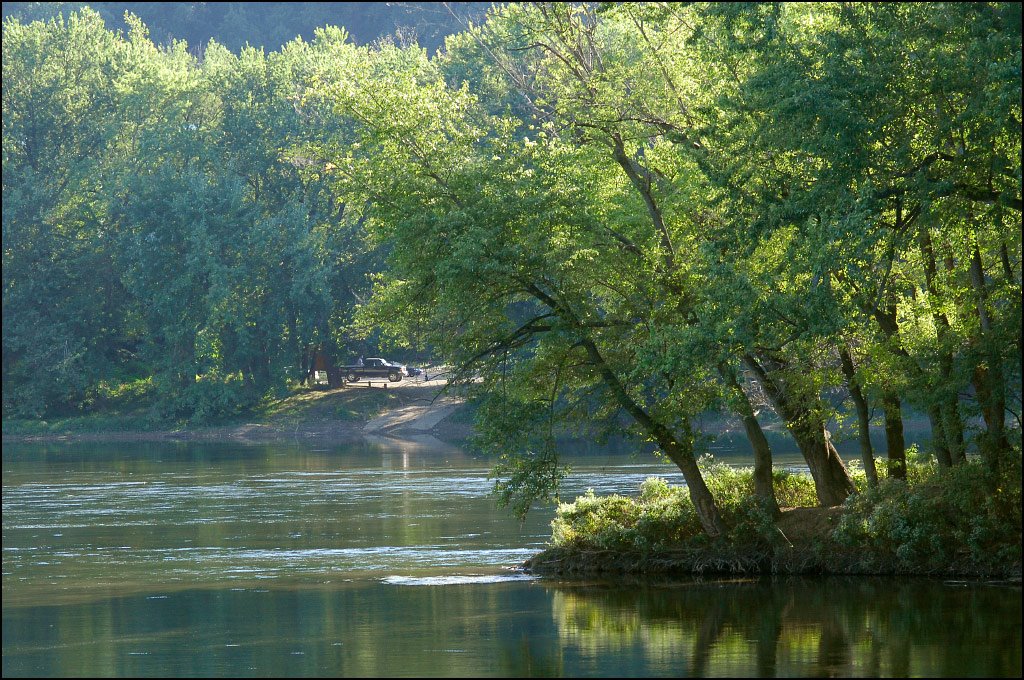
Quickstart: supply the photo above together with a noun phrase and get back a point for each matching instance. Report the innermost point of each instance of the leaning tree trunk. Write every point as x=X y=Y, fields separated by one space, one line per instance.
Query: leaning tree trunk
x=863 y=417
x=678 y=449
x=832 y=482
x=700 y=494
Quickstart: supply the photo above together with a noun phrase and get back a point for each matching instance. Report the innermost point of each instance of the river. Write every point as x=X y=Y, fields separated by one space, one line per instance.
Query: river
x=388 y=558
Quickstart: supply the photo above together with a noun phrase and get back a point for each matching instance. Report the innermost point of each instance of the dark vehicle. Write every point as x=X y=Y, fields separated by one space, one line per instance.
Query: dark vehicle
x=375 y=367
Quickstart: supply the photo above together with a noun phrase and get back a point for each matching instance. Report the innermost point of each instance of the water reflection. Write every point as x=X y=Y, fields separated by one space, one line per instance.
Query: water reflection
x=501 y=627
x=822 y=627
x=358 y=630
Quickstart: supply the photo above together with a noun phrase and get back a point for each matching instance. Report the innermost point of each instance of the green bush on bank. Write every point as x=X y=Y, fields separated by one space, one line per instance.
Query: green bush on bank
x=959 y=519
x=943 y=521
x=662 y=517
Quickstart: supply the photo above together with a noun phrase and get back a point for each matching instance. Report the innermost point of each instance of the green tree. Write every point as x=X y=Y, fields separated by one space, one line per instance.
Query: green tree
x=59 y=121
x=891 y=135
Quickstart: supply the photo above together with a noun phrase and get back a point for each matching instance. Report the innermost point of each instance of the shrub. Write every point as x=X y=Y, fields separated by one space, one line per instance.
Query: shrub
x=659 y=517
x=663 y=517
x=940 y=520
x=958 y=520
x=794 y=490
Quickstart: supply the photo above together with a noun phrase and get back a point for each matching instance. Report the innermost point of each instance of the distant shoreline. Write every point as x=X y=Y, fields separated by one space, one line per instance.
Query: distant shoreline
x=252 y=432
x=309 y=415
x=313 y=415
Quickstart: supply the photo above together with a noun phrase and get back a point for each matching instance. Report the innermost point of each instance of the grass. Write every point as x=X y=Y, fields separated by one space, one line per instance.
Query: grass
x=350 y=404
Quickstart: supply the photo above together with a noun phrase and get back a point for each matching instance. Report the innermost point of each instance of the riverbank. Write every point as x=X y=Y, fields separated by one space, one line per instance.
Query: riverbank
x=316 y=414
x=962 y=522
x=800 y=532
x=412 y=406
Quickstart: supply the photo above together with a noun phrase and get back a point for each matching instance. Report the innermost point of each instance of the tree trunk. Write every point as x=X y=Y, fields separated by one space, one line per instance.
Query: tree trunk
x=987 y=377
x=700 y=494
x=886 y=320
x=294 y=347
x=993 y=444
x=764 y=487
x=896 y=449
x=261 y=370
x=952 y=424
x=185 y=361
x=832 y=482
x=679 y=450
x=867 y=456
x=306 y=365
x=334 y=377
x=1004 y=259
x=939 y=447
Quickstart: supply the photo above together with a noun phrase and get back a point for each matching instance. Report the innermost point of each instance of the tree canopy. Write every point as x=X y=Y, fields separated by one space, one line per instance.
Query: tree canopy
x=607 y=216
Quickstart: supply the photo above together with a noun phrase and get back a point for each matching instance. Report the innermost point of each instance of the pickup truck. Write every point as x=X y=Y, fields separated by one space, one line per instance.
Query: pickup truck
x=375 y=367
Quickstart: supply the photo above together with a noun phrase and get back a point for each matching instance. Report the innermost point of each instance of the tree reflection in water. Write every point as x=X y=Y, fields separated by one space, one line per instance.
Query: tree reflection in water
x=823 y=627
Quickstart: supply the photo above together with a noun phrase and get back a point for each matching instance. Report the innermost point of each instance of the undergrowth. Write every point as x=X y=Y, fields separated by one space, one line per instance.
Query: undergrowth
x=960 y=520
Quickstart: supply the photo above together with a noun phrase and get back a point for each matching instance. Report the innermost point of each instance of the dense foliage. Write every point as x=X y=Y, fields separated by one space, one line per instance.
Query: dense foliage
x=662 y=517
x=943 y=521
x=607 y=216
x=160 y=227
x=269 y=25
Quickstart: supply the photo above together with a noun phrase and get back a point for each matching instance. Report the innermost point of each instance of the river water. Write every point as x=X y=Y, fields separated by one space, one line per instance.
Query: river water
x=389 y=558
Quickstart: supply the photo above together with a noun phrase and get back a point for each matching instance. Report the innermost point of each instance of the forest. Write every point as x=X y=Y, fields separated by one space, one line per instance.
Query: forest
x=269 y=25
x=608 y=217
